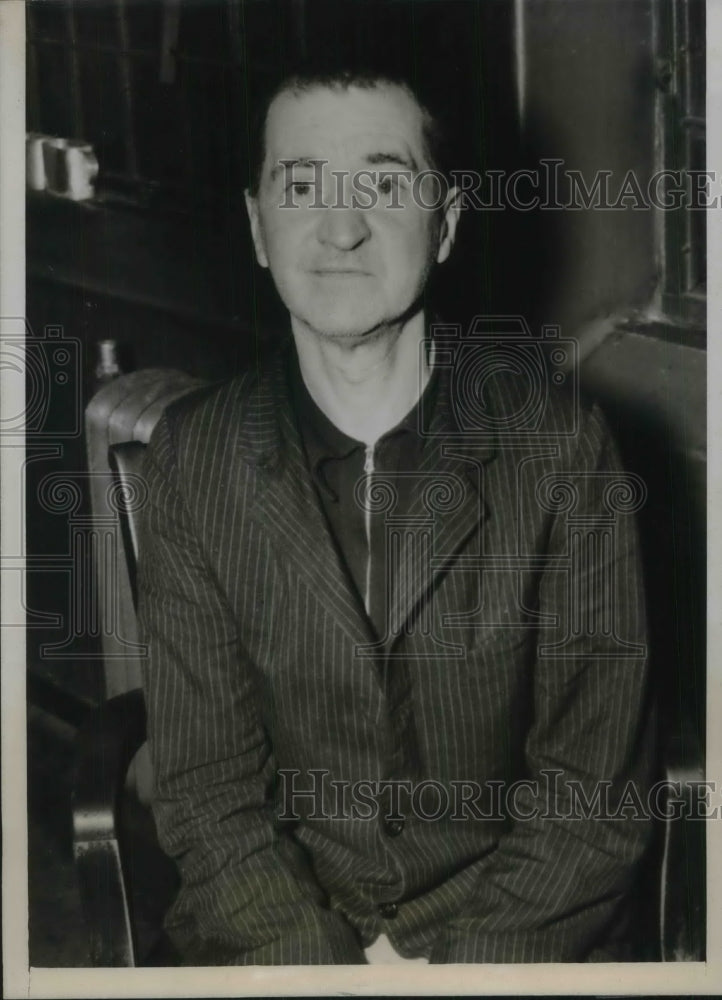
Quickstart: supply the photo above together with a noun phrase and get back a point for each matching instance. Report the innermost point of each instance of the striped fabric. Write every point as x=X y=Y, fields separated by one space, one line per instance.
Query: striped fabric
x=516 y=654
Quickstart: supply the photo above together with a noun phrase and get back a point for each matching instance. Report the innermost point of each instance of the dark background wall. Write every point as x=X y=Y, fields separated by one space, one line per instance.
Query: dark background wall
x=593 y=98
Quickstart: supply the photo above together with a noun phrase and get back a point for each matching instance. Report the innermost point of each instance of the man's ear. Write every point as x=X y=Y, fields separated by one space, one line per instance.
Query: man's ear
x=449 y=221
x=256 y=228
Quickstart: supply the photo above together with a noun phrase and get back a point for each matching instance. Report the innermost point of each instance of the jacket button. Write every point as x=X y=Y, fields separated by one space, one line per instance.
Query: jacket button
x=388 y=910
x=394 y=827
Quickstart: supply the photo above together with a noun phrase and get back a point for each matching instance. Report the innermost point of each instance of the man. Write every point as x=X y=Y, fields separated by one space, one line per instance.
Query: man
x=383 y=671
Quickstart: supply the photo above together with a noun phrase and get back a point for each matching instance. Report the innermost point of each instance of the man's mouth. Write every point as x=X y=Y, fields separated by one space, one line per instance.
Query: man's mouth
x=340 y=272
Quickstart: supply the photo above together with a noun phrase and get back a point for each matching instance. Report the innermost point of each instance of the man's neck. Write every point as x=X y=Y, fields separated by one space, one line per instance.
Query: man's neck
x=365 y=387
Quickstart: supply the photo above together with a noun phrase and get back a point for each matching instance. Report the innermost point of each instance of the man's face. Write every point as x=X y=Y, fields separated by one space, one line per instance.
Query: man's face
x=344 y=272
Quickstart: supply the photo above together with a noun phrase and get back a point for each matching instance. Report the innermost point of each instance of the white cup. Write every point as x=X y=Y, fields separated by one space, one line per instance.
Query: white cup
x=70 y=167
x=34 y=162
x=82 y=169
x=56 y=171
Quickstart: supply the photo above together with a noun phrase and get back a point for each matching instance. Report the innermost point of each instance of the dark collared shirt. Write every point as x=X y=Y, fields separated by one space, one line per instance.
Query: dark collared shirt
x=360 y=486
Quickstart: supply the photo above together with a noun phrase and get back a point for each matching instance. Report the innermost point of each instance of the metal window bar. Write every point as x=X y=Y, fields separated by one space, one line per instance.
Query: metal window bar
x=169 y=40
x=76 y=97
x=126 y=83
x=681 y=54
x=694 y=124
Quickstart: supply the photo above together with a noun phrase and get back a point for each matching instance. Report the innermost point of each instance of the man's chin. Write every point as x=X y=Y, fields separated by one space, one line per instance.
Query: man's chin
x=345 y=329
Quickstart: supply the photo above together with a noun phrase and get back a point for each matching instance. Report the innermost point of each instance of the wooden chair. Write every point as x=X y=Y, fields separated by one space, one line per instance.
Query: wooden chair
x=125 y=889
x=125 y=880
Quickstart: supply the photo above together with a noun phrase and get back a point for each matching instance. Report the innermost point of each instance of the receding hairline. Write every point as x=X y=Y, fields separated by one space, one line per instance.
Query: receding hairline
x=297 y=86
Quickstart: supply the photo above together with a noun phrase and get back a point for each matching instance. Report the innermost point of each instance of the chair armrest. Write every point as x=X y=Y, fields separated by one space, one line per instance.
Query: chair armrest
x=106 y=744
x=683 y=883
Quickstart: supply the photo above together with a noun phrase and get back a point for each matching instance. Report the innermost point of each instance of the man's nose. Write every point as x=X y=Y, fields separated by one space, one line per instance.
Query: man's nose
x=343 y=228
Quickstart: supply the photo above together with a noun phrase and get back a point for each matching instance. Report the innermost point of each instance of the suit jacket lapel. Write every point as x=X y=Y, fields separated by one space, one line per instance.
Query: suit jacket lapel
x=287 y=504
x=448 y=509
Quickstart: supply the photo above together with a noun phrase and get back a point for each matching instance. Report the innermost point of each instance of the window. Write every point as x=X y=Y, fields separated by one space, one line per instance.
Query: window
x=680 y=38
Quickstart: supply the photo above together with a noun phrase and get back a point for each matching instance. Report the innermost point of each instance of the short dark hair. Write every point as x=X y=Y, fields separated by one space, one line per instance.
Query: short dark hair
x=435 y=134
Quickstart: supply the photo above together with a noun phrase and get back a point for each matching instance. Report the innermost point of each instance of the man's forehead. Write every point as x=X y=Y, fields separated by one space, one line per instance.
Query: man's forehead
x=362 y=121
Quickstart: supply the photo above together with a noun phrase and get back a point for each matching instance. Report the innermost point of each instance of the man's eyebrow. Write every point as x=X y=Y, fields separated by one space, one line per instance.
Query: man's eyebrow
x=291 y=162
x=374 y=159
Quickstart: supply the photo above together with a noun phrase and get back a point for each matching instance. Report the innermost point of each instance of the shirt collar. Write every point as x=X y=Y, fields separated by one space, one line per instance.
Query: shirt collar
x=324 y=440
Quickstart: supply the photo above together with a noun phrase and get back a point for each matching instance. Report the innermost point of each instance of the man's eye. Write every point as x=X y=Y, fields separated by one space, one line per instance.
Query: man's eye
x=301 y=188
x=387 y=184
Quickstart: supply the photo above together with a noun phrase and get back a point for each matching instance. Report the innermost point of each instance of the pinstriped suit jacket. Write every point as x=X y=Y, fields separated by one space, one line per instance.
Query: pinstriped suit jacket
x=516 y=655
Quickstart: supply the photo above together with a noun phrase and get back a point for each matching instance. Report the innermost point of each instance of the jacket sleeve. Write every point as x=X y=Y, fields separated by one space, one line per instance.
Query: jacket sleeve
x=247 y=895
x=560 y=874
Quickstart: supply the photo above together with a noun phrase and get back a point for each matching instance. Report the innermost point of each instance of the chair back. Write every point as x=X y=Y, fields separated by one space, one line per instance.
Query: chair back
x=124 y=890
x=123 y=412
x=126 y=465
